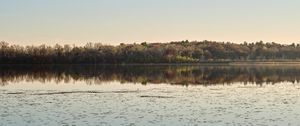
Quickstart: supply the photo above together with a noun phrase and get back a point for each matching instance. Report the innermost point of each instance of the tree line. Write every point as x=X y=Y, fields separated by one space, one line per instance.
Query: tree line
x=172 y=52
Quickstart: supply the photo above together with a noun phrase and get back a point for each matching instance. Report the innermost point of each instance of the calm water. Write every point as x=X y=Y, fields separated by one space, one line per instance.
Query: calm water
x=149 y=95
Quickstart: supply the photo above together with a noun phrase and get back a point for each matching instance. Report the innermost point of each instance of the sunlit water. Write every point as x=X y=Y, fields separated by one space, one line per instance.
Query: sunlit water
x=135 y=104
x=113 y=103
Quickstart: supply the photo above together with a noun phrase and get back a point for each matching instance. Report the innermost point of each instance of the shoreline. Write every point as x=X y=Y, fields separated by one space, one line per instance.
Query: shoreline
x=182 y=64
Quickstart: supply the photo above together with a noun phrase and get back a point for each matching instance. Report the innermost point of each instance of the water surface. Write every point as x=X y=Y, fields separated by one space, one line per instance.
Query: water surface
x=149 y=95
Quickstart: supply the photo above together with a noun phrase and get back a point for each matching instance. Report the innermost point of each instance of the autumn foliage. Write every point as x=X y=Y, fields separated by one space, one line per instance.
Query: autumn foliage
x=172 y=52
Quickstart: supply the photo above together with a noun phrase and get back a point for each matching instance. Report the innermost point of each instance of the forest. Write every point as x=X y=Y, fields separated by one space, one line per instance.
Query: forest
x=171 y=52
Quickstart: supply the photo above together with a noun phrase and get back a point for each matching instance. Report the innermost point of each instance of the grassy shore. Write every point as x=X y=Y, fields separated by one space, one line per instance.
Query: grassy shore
x=221 y=63
x=196 y=63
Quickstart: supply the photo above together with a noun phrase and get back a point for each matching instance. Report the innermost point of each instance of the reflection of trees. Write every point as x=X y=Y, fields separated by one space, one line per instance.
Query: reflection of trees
x=97 y=74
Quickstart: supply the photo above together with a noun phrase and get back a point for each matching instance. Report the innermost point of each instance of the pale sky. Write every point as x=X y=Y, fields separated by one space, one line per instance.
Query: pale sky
x=29 y=22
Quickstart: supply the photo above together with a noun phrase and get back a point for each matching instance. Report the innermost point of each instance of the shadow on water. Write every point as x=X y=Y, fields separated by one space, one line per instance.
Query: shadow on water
x=154 y=74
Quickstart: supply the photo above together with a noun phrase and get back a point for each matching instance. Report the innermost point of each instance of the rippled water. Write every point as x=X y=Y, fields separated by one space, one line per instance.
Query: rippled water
x=37 y=101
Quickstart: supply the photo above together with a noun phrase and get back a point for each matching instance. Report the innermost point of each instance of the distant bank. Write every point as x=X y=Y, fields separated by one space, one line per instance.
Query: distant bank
x=225 y=63
x=180 y=52
x=265 y=63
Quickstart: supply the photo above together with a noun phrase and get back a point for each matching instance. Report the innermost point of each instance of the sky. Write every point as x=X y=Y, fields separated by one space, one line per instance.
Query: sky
x=36 y=22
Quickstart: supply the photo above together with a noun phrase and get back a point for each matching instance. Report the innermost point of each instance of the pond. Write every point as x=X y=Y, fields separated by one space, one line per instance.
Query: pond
x=149 y=95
